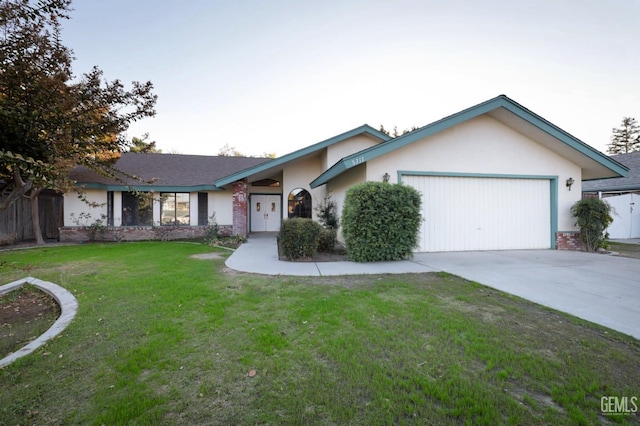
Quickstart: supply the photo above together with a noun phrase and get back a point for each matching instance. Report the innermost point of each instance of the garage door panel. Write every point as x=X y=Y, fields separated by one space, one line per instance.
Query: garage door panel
x=471 y=213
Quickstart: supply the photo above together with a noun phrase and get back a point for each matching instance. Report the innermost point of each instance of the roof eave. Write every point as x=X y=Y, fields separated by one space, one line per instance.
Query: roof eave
x=617 y=188
x=501 y=101
x=147 y=188
x=335 y=170
x=364 y=129
x=563 y=136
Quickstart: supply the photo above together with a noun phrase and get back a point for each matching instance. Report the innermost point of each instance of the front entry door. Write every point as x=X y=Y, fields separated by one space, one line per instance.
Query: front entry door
x=265 y=213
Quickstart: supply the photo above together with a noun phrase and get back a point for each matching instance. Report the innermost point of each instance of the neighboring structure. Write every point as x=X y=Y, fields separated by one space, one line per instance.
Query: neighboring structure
x=173 y=197
x=495 y=176
x=16 y=223
x=623 y=194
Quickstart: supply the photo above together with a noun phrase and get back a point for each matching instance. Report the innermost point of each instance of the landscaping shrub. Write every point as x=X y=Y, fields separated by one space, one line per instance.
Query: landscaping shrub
x=327 y=240
x=327 y=212
x=593 y=217
x=299 y=238
x=380 y=221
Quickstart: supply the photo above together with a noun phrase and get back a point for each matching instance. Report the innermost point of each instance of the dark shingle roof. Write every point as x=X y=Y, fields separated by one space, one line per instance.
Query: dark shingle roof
x=631 y=181
x=172 y=170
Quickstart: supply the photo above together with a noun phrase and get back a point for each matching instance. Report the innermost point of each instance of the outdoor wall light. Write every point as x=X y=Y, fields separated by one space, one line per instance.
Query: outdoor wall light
x=385 y=178
x=570 y=182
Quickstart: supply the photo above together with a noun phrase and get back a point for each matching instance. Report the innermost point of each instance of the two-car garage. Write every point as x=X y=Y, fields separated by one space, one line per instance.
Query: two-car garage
x=483 y=213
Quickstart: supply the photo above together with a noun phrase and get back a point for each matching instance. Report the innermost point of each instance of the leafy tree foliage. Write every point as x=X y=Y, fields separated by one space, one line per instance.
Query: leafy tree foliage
x=231 y=151
x=380 y=221
x=395 y=133
x=140 y=145
x=626 y=138
x=593 y=217
x=51 y=121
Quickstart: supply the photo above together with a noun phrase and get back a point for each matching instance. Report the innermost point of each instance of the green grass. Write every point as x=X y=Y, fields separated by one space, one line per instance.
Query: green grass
x=161 y=338
x=625 y=250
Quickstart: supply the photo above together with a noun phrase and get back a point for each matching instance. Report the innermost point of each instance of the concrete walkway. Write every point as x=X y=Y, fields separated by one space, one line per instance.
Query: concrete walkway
x=599 y=288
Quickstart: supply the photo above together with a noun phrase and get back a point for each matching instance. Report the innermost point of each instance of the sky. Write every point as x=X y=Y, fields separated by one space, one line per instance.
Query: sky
x=275 y=76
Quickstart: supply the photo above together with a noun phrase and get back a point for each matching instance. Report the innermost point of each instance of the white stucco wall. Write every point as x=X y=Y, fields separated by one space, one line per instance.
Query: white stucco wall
x=221 y=203
x=338 y=187
x=117 y=208
x=484 y=145
x=347 y=147
x=74 y=206
x=193 y=208
x=299 y=175
x=157 y=206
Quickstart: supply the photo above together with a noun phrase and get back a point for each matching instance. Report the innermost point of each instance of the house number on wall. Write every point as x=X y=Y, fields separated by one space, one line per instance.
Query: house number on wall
x=357 y=161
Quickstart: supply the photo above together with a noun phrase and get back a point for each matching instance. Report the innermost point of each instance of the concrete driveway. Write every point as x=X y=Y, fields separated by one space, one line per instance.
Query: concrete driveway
x=599 y=288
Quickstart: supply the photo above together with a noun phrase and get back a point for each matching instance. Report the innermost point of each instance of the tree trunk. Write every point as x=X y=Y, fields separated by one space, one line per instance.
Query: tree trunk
x=35 y=215
x=21 y=187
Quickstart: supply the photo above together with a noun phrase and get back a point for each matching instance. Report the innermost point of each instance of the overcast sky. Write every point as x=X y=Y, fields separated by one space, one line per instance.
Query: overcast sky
x=275 y=76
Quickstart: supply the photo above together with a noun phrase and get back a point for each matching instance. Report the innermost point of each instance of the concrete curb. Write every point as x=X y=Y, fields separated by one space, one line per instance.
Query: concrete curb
x=68 y=307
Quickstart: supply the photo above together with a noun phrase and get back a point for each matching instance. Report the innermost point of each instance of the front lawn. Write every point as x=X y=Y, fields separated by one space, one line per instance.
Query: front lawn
x=164 y=338
x=625 y=250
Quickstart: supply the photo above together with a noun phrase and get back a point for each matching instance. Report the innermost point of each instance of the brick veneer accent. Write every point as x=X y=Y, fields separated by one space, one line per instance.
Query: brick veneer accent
x=240 y=199
x=81 y=234
x=569 y=241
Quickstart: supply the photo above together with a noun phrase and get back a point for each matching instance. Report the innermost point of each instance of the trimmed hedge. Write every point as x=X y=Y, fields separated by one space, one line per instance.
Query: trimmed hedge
x=593 y=217
x=381 y=221
x=299 y=238
x=327 y=240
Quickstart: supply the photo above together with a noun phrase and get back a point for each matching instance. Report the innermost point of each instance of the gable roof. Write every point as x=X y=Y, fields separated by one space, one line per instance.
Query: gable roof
x=276 y=162
x=594 y=163
x=166 y=172
x=630 y=182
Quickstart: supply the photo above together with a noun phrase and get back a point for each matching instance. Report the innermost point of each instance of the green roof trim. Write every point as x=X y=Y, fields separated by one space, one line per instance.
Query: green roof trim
x=364 y=129
x=501 y=101
x=148 y=188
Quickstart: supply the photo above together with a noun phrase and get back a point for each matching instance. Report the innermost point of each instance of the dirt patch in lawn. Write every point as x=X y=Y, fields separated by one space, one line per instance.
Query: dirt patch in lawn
x=207 y=256
x=25 y=313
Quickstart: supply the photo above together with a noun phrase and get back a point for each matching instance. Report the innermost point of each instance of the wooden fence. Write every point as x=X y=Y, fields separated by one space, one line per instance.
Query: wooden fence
x=17 y=218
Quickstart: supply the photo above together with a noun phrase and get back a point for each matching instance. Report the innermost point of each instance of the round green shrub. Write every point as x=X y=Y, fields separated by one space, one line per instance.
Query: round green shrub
x=381 y=221
x=593 y=217
x=299 y=238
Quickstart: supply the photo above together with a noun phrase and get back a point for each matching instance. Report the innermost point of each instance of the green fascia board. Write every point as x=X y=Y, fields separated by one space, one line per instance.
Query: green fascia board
x=501 y=101
x=335 y=170
x=364 y=129
x=563 y=136
x=553 y=190
x=148 y=188
x=402 y=173
x=616 y=188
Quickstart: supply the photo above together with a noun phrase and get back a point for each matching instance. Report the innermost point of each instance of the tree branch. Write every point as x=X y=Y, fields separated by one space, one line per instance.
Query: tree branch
x=20 y=189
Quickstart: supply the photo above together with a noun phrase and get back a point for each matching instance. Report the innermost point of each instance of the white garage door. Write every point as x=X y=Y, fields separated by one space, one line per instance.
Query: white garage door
x=481 y=213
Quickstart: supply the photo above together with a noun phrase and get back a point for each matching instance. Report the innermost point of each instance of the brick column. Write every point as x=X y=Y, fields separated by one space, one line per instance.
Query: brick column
x=240 y=211
x=569 y=241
